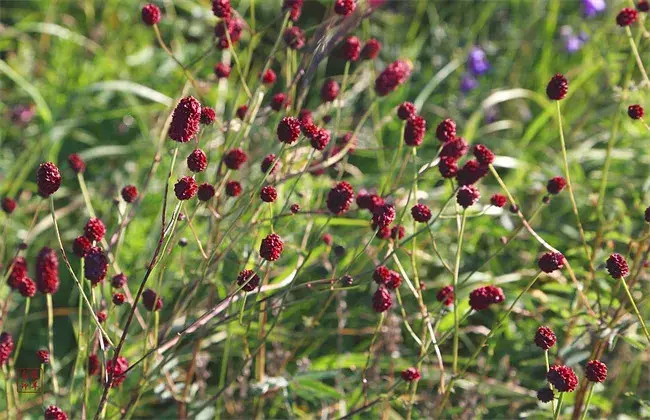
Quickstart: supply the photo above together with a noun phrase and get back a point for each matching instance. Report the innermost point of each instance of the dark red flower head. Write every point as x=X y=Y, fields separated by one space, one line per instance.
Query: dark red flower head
x=305 y=116
x=48 y=179
x=150 y=14
x=185 y=120
x=545 y=395
x=118 y=369
x=481 y=298
x=185 y=188
x=248 y=280
x=197 y=161
x=81 y=245
x=267 y=165
x=626 y=17
x=557 y=87
x=563 y=378
x=596 y=371
x=446 y=130
x=234 y=27
x=130 y=193
x=448 y=167
x=151 y=301
x=93 y=364
x=471 y=172
x=421 y=213
x=370 y=50
x=369 y=201
x=320 y=139
x=43 y=356
x=221 y=8
x=279 y=101
x=47 y=271
x=411 y=374
x=241 y=112
x=383 y=215
x=119 y=280
x=327 y=239
x=393 y=76
x=381 y=275
x=118 y=299
x=394 y=281
x=101 y=316
x=414 y=130
x=18 y=272
x=295 y=208
x=233 y=188
x=467 y=195
x=617 y=266
x=268 y=194
x=309 y=129
x=208 y=115
x=94 y=230
x=454 y=149
x=269 y=77
x=294 y=37
x=27 y=287
x=350 y=50
x=446 y=295
x=222 y=71
x=406 y=110
x=55 y=413
x=545 y=338
x=76 y=163
x=551 y=261
x=271 y=247
x=235 y=158
x=344 y=7
x=382 y=300
x=635 y=112
x=288 y=130
x=646 y=214
x=8 y=205
x=95 y=265
x=6 y=347
x=643 y=6
x=498 y=200
x=340 y=197
x=294 y=7
x=555 y=185
x=330 y=90
x=206 y=192
x=383 y=233
x=484 y=155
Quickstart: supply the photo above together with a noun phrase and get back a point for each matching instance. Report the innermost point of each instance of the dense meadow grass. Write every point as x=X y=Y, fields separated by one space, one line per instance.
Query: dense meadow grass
x=320 y=331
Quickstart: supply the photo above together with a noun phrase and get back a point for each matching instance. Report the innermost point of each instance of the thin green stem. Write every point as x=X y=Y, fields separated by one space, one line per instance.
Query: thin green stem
x=548 y=367
x=567 y=174
x=456 y=269
x=591 y=393
x=636 y=310
x=635 y=51
x=559 y=406
x=50 y=329
x=22 y=329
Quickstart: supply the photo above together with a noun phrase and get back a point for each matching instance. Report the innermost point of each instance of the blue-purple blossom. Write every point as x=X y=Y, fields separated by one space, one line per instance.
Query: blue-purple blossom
x=477 y=61
x=468 y=82
x=572 y=42
x=591 y=8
